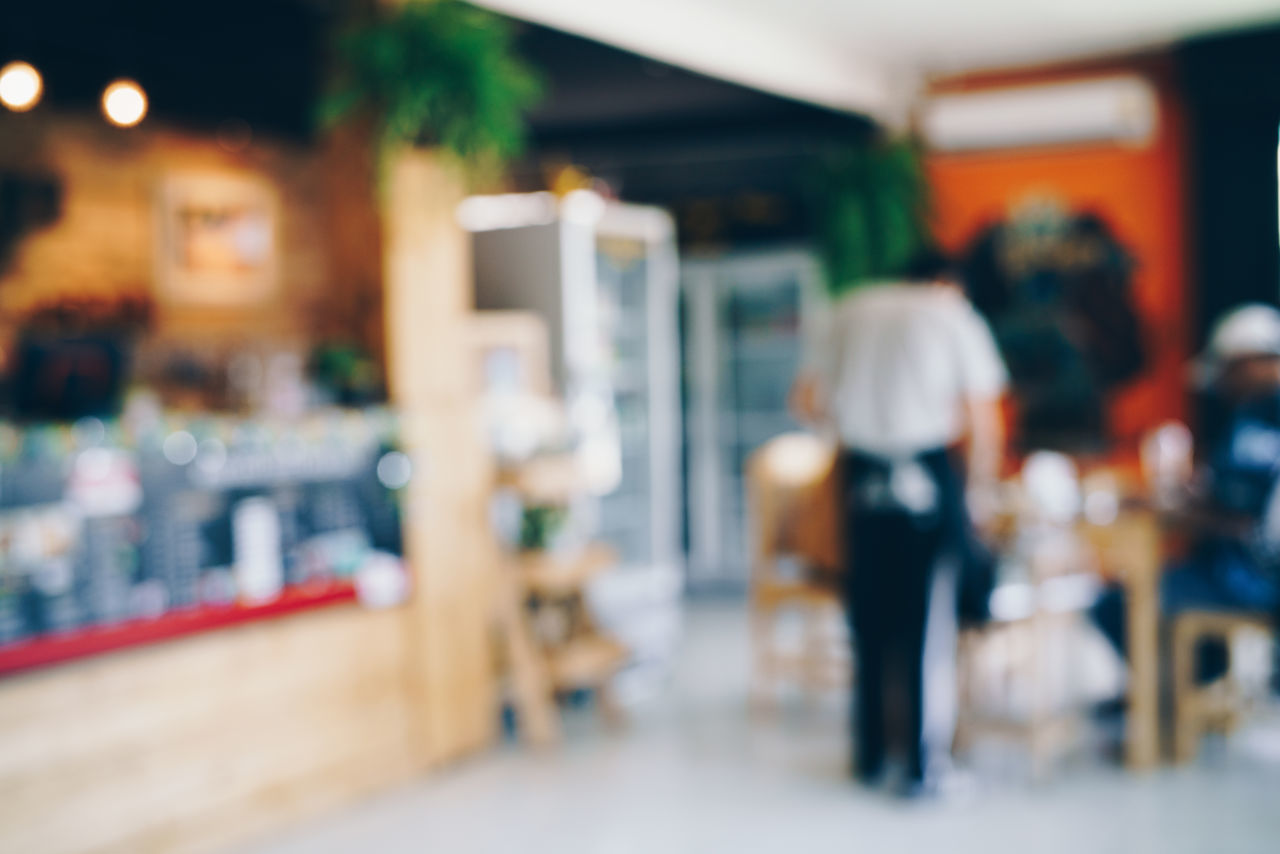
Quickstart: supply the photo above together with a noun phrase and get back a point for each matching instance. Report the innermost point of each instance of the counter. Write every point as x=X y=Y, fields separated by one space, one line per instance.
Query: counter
x=114 y=534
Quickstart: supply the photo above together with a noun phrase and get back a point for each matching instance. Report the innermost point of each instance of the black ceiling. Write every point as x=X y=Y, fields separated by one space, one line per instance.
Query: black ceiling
x=598 y=88
x=655 y=132
x=200 y=63
x=668 y=136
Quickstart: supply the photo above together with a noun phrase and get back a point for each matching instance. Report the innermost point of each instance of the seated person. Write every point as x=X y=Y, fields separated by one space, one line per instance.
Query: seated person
x=1233 y=507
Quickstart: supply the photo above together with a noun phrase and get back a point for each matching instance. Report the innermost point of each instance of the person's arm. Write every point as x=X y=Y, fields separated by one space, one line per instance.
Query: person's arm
x=1202 y=519
x=986 y=439
x=1193 y=512
x=985 y=453
x=809 y=398
x=806 y=400
x=983 y=378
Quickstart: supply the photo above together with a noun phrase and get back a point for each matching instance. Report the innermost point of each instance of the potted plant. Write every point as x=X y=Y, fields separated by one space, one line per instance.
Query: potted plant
x=440 y=73
x=871 y=206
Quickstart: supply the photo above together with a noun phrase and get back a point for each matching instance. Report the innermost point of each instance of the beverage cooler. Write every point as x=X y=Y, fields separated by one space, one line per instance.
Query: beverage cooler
x=745 y=316
x=603 y=276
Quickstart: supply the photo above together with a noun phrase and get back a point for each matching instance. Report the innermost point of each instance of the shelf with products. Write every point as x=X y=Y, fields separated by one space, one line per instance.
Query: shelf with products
x=630 y=380
x=745 y=429
x=624 y=503
x=586 y=662
x=634 y=434
x=552 y=644
x=634 y=522
x=114 y=534
x=770 y=344
x=548 y=574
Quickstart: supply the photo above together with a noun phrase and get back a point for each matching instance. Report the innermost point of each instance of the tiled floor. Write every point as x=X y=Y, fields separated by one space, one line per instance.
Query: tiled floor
x=695 y=773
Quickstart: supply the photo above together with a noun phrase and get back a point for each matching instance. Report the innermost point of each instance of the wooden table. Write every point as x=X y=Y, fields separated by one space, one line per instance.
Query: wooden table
x=1129 y=551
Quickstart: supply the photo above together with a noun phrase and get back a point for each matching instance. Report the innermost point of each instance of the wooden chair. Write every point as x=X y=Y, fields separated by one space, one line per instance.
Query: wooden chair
x=1221 y=704
x=1167 y=466
x=1014 y=671
x=793 y=493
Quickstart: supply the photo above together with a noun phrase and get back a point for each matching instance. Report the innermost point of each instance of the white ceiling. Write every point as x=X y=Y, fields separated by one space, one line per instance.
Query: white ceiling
x=869 y=55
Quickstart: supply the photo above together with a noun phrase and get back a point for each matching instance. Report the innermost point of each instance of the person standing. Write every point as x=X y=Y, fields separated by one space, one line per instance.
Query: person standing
x=907 y=373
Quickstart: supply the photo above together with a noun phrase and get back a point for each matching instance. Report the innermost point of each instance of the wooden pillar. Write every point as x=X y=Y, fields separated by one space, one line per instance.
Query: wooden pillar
x=428 y=284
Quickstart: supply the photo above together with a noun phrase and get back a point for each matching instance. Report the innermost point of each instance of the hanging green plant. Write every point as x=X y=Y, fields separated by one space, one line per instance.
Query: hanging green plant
x=435 y=73
x=871 y=210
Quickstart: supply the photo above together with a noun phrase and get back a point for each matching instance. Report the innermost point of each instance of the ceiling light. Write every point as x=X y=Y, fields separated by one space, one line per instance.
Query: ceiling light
x=124 y=103
x=20 y=86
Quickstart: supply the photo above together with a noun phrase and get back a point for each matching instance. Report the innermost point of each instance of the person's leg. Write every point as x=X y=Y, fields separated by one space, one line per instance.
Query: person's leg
x=1189 y=586
x=939 y=704
x=922 y=604
x=913 y=584
x=1195 y=586
x=864 y=596
x=1108 y=615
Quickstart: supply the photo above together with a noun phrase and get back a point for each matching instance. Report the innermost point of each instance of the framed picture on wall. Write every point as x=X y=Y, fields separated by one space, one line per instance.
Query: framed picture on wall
x=217 y=239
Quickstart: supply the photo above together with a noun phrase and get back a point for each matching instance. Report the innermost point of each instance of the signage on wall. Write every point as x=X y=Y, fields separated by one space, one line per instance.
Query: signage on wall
x=1056 y=285
x=216 y=239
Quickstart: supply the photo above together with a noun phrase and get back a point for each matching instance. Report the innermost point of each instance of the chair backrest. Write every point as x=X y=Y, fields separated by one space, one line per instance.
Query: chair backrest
x=794 y=496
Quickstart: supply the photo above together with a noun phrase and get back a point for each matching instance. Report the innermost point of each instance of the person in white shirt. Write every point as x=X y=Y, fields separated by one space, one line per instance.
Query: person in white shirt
x=906 y=374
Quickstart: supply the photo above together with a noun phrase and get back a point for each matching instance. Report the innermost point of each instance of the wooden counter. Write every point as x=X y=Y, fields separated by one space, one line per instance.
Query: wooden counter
x=197 y=743
x=204 y=742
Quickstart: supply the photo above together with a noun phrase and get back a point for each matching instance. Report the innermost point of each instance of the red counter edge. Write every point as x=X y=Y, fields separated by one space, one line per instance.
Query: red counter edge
x=48 y=650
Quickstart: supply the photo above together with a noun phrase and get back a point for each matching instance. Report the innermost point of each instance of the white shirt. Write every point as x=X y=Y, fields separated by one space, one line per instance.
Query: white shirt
x=898 y=361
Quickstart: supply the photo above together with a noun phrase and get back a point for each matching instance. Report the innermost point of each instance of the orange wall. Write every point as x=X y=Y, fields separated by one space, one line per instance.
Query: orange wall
x=1138 y=190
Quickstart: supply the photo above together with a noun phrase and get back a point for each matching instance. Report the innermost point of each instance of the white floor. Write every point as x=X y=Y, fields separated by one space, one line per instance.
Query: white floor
x=695 y=773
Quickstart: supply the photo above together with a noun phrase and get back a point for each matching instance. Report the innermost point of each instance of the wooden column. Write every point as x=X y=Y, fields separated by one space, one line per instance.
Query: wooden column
x=428 y=284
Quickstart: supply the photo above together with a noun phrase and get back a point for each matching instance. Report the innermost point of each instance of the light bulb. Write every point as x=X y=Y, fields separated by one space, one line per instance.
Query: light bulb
x=20 y=86
x=124 y=103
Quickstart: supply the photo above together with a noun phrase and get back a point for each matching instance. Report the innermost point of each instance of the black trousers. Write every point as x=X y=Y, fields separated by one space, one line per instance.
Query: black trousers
x=893 y=554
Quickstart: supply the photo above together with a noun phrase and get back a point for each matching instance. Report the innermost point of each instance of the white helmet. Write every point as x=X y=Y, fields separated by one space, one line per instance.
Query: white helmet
x=1248 y=330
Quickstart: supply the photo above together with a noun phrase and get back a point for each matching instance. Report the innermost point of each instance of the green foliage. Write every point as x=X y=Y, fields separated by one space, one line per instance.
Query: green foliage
x=347 y=372
x=435 y=73
x=539 y=525
x=871 y=207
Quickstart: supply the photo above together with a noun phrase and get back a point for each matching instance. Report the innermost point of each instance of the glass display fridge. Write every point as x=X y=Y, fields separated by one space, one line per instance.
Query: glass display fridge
x=745 y=316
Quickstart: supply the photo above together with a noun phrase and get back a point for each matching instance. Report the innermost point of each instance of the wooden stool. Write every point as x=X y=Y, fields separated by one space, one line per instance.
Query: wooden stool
x=1014 y=672
x=1220 y=704
x=1005 y=691
x=791 y=482
x=819 y=664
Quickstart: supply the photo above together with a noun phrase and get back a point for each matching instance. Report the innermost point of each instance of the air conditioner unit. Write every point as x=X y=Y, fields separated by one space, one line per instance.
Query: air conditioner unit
x=1109 y=109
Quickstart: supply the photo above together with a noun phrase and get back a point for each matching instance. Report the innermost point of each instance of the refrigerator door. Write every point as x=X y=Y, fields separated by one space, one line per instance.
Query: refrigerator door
x=626 y=517
x=746 y=319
